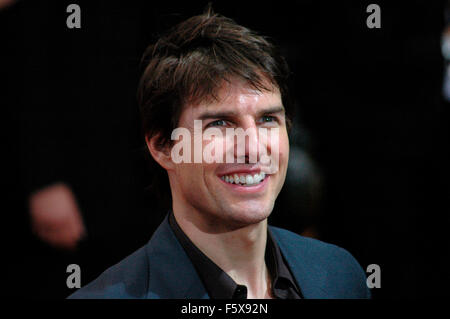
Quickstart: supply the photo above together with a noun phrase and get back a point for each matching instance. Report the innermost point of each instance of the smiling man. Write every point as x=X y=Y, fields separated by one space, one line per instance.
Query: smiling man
x=215 y=241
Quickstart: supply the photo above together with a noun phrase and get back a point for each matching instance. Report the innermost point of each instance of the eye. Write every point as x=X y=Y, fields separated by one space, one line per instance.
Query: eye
x=267 y=119
x=217 y=123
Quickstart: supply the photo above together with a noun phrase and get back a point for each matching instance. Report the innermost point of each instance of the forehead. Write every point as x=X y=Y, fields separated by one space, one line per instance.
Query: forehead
x=237 y=97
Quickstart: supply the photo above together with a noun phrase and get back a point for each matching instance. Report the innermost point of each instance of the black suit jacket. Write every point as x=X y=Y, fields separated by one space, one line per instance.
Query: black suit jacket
x=161 y=269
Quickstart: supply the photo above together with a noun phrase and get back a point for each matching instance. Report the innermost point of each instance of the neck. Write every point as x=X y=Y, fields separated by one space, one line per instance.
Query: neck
x=238 y=251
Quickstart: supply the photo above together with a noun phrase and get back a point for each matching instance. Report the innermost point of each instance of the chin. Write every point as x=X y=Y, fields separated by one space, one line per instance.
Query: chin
x=245 y=215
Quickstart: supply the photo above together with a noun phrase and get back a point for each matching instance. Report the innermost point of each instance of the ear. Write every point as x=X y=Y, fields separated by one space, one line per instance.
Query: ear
x=161 y=154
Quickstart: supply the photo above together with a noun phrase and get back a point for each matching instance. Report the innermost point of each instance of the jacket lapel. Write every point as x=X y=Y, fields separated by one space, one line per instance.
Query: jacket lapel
x=310 y=277
x=171 y=273
x=172 y=276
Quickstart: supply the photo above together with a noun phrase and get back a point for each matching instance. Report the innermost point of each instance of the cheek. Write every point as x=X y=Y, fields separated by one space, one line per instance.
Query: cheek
x=283 y=153
x=278 y=144
x=186 y=174
x=193 y=178
x=284 y=148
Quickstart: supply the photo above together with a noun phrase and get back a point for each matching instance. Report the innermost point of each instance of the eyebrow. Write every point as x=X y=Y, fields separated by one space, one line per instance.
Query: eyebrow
x=230 y=114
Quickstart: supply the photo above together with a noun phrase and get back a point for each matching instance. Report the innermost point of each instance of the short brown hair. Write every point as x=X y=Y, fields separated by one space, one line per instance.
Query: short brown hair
x=189 y=64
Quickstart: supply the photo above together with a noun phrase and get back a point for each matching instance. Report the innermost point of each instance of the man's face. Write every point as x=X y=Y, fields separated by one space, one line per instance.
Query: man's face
x=214 y=192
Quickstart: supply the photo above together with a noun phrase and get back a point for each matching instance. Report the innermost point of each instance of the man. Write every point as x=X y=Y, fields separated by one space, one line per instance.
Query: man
x=208 y=73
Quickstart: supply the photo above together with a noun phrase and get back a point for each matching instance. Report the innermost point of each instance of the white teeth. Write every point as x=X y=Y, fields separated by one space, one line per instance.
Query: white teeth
x=247 y=180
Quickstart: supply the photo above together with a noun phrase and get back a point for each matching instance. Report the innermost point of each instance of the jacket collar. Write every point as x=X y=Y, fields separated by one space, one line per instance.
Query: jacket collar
x=171 y=274
x=310 y=276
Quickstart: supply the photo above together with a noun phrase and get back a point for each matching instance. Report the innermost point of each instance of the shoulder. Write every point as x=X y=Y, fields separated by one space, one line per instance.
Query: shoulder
x=126 y=279
x=333 y=268
x=314 y=248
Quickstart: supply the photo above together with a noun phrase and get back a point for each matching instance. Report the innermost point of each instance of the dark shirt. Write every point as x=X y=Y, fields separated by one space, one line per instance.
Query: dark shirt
x=220 y=285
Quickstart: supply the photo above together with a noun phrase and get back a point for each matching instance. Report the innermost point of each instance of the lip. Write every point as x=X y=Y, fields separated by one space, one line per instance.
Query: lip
x=247 y=189
x=250 y=171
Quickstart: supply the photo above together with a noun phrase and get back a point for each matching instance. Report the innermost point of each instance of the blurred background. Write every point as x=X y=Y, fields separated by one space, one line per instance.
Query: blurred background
x=369 y=162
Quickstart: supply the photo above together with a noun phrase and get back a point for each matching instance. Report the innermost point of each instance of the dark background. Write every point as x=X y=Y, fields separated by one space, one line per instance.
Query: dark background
x=370 y=171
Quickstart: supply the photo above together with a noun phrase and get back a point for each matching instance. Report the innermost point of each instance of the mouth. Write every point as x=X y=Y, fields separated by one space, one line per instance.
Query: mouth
x=247 y=180
x=244 y=182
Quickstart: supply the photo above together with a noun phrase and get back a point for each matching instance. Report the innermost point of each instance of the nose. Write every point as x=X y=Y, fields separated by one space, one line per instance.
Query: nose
x=246 y=144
